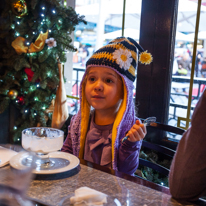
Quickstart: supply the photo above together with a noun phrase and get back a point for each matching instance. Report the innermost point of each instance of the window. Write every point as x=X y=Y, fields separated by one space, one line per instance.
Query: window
x=187 y=75
x=104 y=23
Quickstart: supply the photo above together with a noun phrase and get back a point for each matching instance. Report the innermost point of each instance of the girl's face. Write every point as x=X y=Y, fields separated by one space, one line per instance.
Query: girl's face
x=104 y=89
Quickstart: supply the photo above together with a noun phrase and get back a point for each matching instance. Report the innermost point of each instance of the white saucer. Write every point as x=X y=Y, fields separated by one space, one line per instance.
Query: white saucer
x=16 y=162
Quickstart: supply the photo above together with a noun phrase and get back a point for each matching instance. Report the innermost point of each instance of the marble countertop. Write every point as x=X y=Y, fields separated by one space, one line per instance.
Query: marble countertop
x=127 y=192
x=130 y=191
x=52 y=189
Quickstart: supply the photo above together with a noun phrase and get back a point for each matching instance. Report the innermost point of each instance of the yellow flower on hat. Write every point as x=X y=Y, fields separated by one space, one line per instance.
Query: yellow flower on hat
x=123 y=58
x=145 y=58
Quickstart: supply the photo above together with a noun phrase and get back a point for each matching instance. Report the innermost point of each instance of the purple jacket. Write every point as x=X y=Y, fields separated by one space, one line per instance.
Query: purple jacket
x=98 y=148
x=187 y=178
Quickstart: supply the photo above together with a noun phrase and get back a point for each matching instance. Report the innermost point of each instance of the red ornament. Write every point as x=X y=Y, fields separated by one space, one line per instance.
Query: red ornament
x=29 y=73
x=20 y=100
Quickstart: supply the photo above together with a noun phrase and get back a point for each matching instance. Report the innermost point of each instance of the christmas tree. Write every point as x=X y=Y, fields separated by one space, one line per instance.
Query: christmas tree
x=35 y=34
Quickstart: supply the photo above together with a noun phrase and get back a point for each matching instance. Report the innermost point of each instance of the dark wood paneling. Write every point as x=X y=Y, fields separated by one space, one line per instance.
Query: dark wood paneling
x=156 y=36
x=157 y=29
x=4 y=127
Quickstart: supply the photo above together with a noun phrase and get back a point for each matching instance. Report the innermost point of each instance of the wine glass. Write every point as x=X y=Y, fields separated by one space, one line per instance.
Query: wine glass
x=42 y=141
x=15 y=182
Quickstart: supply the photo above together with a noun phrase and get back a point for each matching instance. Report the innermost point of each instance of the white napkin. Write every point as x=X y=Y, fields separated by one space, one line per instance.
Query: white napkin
x=6 y=155
x=89 y=197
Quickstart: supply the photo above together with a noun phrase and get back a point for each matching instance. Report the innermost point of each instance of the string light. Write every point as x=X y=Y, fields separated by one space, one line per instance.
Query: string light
x=43 y=8
x=26 y=35
x=37 y=85
x=27 y=43
x=42 y=14
x=26 y=111
x=15 y=127
x=60 y=21
x=35 y=98
x=33 y=32
x=43 y=107
x=12 y=26
x=49 y=30
x=42 y=32
x=17 y=34
x=18 y=139
x=32 y=88
x=54 y=11
x=34 y=113
x=48 y=74
x=17 y=22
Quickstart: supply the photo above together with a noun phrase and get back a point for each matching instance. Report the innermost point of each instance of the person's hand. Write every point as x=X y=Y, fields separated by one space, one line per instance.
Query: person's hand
x=137 y=132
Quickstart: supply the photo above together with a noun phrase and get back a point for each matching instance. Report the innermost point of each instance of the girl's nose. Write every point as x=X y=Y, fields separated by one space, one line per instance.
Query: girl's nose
x=98 y=86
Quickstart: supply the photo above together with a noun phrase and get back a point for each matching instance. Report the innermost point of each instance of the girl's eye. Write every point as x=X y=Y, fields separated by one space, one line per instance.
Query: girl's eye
x=91 y=79
x=109 y=81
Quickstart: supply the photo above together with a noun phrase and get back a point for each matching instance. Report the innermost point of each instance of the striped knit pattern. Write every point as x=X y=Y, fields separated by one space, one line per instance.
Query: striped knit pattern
x=127 y=49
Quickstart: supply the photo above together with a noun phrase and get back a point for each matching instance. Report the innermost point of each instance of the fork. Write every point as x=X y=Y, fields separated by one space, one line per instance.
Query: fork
x=146 y=122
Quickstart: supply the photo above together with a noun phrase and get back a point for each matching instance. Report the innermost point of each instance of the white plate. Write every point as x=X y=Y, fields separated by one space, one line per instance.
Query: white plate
x=5 y=155
x=16 y=162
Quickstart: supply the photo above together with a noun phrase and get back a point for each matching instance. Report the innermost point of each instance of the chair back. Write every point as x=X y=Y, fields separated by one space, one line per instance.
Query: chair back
x=159 y=149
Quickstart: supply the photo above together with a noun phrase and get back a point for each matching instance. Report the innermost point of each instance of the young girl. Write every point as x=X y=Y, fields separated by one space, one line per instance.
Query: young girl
x=107 y=87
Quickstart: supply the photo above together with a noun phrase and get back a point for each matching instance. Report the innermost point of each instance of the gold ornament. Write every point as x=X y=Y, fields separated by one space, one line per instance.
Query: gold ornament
x=12 y=94
x=19 y=8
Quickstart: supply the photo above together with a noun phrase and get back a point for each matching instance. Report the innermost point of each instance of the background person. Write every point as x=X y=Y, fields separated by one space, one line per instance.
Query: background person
x=187 y=178
x=203 y=68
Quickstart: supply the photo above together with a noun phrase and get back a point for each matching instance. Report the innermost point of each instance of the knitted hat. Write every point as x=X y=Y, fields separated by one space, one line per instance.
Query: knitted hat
x=120 y=55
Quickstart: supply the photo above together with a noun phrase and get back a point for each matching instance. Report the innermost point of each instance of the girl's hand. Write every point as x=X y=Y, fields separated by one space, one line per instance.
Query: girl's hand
x=137 y=132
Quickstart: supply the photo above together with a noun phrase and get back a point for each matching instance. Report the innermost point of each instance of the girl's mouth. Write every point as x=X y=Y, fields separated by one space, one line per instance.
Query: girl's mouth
x=97 y=97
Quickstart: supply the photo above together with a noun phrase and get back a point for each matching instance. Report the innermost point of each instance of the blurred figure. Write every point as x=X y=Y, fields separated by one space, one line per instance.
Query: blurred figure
x=175 y=67
x=197 y=62
x=184 y=64
x=83 y=53
x=181 y=70
x=203 y=69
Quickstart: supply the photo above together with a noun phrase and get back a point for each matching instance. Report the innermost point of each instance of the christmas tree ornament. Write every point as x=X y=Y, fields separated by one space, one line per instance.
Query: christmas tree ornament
x=19 y=44
x=12 y=94
x=51 y=42
x=20 y=100
x=29 y=73
x=19 y=8
x=60 y=113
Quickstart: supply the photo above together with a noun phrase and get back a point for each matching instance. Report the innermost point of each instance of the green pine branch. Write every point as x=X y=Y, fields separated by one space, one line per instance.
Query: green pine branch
x=35 y=94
